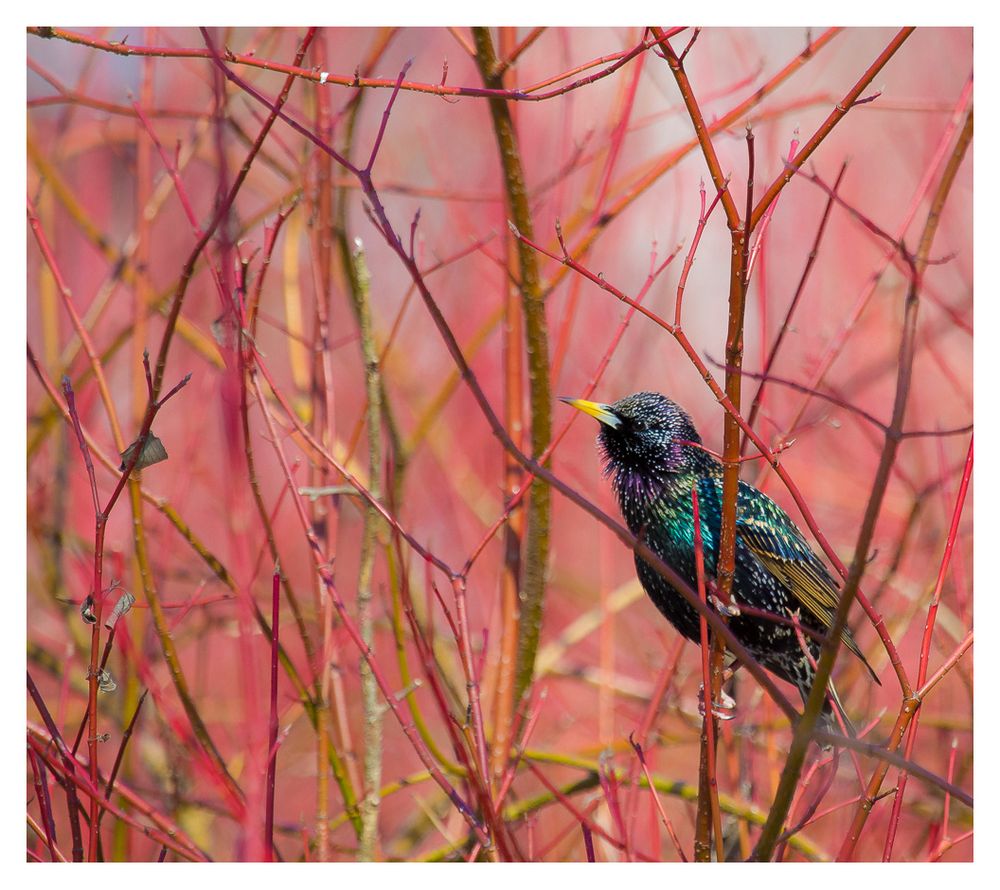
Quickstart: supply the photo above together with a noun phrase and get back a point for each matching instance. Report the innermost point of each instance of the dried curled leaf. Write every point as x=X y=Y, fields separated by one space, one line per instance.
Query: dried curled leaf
x=152 y=453
x=105 y=682
x=125 y=602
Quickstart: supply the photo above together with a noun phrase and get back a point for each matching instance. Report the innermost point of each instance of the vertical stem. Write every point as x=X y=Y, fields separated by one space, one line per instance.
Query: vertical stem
x=726 y=563
x=708 y=821
x=503 y=704
x=272 y=725
x=731 y=429
x=336 y=229
x=513 y=533
x=369 y=688
x=143 y=298
x=324 y=512
x=739 y=234
x=536 y=547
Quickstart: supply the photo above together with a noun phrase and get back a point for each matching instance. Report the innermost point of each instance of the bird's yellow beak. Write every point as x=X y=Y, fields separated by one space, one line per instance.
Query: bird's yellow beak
x=603 y=413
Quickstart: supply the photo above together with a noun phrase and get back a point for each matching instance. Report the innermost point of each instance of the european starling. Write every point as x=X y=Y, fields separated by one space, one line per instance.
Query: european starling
x=651 y=450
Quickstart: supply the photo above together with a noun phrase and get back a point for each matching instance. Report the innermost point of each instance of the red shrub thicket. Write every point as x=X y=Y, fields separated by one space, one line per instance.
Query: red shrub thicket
x=383 y=608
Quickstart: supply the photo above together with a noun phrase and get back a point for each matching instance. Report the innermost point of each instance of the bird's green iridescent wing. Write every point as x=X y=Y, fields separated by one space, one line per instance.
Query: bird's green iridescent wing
x=776 y=541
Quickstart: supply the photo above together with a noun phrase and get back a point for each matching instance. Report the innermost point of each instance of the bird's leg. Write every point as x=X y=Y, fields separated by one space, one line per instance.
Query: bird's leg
x=729 y=610
x=725 y=707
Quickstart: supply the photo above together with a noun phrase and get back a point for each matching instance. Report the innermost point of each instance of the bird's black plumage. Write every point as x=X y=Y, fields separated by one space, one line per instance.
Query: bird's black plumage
x=651 y=452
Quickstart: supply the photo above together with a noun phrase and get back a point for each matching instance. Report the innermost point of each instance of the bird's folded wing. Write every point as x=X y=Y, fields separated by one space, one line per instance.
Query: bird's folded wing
x=788 y=557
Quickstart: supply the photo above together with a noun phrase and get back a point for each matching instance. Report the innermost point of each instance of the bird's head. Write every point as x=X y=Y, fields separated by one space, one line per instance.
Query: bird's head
x=643 y=434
